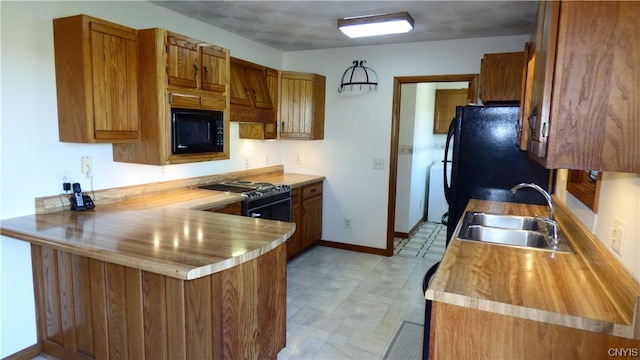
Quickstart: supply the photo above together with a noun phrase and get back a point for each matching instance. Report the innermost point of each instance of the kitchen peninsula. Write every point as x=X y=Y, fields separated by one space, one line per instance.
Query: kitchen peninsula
x=154 y=277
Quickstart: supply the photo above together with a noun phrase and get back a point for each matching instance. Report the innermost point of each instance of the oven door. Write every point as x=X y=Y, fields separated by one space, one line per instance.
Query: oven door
x=277 y=210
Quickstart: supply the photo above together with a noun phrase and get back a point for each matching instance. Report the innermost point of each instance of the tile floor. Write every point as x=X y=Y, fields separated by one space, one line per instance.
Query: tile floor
x=428 y=242
x=348 y=305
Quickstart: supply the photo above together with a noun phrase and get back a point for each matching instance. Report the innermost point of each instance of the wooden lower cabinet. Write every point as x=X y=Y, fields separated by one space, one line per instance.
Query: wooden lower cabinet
x=464 y=333
x=306 y=212
x=92 y=309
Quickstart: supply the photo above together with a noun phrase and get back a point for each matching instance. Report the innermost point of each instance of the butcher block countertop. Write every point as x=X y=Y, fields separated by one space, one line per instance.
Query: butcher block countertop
x=164 y=232
x=588 y=290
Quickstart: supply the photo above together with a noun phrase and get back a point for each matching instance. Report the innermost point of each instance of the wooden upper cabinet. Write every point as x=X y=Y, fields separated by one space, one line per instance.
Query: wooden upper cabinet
x=445 y=107
x=501 y=77
x=302 y=101
x=182 y=61
x=192 y=64
x=96 y=80
x=528 y=68
x=239 y=90
x=264 y=130
x=166 y=68
x=259 y=89
x=215 y=71
x=585 y=112
x=249 y=94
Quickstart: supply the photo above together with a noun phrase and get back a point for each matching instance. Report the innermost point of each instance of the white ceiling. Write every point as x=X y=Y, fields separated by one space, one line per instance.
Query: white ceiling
x=304 y=25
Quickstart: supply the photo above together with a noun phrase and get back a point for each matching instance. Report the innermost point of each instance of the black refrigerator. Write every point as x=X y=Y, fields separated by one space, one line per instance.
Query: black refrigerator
x=485 y=160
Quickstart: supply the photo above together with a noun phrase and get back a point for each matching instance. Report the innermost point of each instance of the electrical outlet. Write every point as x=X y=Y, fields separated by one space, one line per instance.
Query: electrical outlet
x=298 y=159
x=246 y=163
x=378 y=164
x=64 y=177
x=86 y=165
x=266 y=159
x=617 y=235
x=347 y=223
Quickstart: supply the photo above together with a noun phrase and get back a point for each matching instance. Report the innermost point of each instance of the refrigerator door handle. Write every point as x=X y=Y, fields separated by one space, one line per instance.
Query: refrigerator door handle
x=447 y=186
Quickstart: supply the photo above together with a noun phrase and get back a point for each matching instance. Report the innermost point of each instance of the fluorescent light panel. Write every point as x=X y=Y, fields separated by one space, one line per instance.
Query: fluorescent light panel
x=373 y=25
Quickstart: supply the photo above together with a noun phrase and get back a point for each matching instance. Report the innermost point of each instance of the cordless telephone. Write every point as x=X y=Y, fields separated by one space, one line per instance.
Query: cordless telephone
x=78 y=201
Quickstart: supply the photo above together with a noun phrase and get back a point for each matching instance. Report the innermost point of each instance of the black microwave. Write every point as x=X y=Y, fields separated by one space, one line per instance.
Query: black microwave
x=196 y=131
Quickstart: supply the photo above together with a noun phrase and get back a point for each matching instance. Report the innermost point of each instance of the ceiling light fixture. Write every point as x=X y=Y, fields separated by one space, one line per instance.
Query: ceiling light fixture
x=373 y=25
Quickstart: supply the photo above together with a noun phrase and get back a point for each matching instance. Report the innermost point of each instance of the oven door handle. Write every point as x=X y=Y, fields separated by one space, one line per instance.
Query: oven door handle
x=253 y=211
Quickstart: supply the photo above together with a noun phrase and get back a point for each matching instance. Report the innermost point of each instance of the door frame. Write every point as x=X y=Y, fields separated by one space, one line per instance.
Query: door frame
x=398 y=81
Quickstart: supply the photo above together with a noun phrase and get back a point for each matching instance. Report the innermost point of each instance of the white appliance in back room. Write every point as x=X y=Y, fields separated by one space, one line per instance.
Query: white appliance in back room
x=437 y=202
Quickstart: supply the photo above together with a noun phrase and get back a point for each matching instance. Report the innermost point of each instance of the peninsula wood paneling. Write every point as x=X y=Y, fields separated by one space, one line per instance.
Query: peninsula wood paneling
x=91 y=309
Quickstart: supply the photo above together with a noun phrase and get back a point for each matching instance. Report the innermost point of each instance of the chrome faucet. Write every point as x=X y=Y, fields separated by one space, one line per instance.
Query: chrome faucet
x=552 y=225
x=541 y=191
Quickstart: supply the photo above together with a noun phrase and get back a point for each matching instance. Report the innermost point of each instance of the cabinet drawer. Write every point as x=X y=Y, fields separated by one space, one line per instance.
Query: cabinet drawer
x=214 y=102
x=312 y=190
x=188 y=101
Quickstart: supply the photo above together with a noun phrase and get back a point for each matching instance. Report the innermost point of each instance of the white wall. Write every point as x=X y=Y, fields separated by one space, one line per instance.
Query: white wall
x=405 y=163
x=32 y=156
x=358 y=127
x=619 y=198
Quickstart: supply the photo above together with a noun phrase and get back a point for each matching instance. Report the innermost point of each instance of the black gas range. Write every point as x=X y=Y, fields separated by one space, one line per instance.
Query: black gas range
x=261 y=199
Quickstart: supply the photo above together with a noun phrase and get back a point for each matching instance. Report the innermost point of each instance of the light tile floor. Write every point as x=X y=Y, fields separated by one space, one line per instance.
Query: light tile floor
x=428 y=242
x=349 y=305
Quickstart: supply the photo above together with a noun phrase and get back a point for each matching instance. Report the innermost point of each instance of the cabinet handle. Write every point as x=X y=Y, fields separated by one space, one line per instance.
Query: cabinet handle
x=246 y=91
x=195 y=70
x=206 y=71
x=255 y=95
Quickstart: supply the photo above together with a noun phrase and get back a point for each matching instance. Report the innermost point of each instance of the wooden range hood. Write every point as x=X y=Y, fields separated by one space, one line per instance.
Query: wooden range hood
x=249 y=93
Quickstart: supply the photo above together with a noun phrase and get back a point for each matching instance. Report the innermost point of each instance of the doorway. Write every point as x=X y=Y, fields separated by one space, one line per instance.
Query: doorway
x=471 y=79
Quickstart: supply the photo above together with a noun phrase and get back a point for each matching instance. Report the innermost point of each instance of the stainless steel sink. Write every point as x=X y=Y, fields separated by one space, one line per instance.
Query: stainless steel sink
x=504 y=221
x=510 y=230
x=513 y=237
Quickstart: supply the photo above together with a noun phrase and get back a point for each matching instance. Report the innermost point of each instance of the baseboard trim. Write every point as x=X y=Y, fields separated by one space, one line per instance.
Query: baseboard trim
x=415 y=228
x=401 y=235
x=357 y=248
x=26 y=354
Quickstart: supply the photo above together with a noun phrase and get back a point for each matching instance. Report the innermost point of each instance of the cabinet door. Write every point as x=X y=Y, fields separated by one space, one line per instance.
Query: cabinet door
x=115 y=82
x=265 y=130
x=259 y=91
x=445 y=107
x=239 y=90
x=96 y=81
x=545 y=52
x=525 y=96
x=182 y=61
x=302 y=99
x=312 y=220
x=588 y=112
x=501 y=77
x=215 y=76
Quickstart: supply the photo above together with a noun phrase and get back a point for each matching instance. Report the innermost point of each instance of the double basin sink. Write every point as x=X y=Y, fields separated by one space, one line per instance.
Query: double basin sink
x=512 y=230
